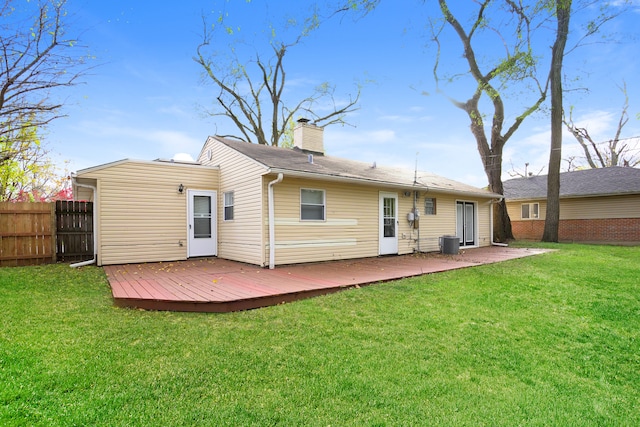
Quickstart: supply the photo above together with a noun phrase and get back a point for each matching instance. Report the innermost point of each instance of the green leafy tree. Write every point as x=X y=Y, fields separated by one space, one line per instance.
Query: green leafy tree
x=28 y=173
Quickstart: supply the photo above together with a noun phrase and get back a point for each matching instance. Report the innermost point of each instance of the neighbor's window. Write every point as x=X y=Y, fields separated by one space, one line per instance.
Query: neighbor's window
x=312 y=204
x=430 y=206
x=530 y=211
x=228 y=206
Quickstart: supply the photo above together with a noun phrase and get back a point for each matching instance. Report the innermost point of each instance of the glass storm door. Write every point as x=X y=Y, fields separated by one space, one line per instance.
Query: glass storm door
x=202 y=223
x=466 y=223
x=388 y=223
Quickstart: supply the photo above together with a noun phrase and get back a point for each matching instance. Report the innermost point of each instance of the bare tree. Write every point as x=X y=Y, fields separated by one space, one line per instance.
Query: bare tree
x=563 y=12
x=36 y=59
x=252 y=95
x=563 y=15
x=616 y=151
x=515 y=66
x=516 y=173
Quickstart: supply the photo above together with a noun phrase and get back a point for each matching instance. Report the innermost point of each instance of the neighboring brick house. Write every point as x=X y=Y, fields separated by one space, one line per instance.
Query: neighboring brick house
x=596 y=205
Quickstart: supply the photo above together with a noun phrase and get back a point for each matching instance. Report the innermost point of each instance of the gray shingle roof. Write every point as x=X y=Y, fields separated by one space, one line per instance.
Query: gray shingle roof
x=584 y=183
x=295 y=160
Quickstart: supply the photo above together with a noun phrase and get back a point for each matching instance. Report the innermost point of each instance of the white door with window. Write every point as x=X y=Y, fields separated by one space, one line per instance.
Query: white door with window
x=466 y=223
x=201 y=225
x=388 y=223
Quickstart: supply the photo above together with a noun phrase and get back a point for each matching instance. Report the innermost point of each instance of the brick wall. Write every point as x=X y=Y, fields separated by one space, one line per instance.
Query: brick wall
x=583 y=230
x=527 y=230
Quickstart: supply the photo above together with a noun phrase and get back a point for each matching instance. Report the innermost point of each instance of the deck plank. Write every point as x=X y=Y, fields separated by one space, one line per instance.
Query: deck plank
x=218 y=285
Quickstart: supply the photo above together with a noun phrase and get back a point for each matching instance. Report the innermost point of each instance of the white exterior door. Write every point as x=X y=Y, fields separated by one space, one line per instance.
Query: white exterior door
x=201 y=225
x=388 y=223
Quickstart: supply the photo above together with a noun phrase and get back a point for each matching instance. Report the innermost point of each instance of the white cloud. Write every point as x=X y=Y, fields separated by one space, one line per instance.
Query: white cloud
x=175 y=110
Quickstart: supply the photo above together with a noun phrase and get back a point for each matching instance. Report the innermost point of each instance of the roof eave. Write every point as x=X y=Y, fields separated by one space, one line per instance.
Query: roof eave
x=573 y=196
x=144 y=162
x=372 y=182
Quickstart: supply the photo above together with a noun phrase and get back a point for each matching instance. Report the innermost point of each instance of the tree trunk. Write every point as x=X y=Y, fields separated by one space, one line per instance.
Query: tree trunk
x=552 y=221
x=501 y=222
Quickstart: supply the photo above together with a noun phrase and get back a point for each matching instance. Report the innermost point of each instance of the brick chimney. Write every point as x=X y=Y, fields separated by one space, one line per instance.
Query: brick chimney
x=308 y=137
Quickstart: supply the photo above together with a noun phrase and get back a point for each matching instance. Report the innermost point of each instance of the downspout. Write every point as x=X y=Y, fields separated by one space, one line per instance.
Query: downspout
x=272 y=227
x=95 y=224
x=415 y=215
x=491 y=224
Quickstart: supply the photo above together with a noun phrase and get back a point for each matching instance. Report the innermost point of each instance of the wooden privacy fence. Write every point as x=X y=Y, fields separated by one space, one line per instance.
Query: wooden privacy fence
x=39 y=233
x=27 y=233
x=74 y=231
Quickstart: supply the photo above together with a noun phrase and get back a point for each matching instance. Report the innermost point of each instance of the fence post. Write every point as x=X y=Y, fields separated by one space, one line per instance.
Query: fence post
x=54 y=255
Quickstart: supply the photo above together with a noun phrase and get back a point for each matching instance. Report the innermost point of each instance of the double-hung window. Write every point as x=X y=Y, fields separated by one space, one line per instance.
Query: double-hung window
x=228 y=206
x=312 y=205
x=530 y=211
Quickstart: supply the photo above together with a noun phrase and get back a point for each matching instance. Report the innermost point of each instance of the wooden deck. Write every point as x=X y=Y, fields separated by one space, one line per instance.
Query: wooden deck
x=218 y=285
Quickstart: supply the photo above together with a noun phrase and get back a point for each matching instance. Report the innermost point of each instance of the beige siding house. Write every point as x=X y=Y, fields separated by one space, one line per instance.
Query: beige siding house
x=271 y=206
x=596 y=205
x=141 y=214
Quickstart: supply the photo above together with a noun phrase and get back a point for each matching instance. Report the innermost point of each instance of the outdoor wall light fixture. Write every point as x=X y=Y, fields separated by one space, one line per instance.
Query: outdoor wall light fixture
x=180 y=188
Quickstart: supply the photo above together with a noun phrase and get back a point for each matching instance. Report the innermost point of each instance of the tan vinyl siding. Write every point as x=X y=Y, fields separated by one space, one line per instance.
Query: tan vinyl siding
x=83 y=193
x=350 y=229
x=142 y=216
x=483 y=223
x=432 y=227
x=514 y=209
x=604 y=207
x=241 y=238
x=351 y=226
x=601 y=207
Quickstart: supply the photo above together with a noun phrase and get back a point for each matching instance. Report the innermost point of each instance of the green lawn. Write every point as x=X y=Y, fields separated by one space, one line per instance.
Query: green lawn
x=547 y=340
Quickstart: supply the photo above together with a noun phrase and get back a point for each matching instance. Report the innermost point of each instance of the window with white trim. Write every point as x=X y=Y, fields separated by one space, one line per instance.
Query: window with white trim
x=228 y=206
x=312 y=205
x=530 y=211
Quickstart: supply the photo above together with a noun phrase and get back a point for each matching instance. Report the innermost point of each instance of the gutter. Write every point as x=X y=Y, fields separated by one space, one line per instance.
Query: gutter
x=95 y=224
x=364 y=181
x=272 y=227
x=492 y=202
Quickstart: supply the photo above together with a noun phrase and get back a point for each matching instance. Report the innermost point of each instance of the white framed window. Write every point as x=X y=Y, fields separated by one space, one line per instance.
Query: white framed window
x=530 y=211
x=312 y=205
x=430 y=206
x=228 y=206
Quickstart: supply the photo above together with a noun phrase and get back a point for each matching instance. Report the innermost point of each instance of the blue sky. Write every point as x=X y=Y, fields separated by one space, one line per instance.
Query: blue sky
x=146 y=98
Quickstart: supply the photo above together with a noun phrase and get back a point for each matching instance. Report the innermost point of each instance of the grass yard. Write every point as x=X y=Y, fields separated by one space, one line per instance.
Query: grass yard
x=548 y=340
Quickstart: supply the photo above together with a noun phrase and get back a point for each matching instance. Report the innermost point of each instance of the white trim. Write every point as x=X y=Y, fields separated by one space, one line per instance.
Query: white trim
x=324 y=205
x=386 y=246
x=142 y=162
x=530 y=217
x=221 y=143
x=325 y=243
x=335 y=222
x=191 y=251
x=272 y=217
x=476 y=223
x=225 y=206
x=391 y=185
